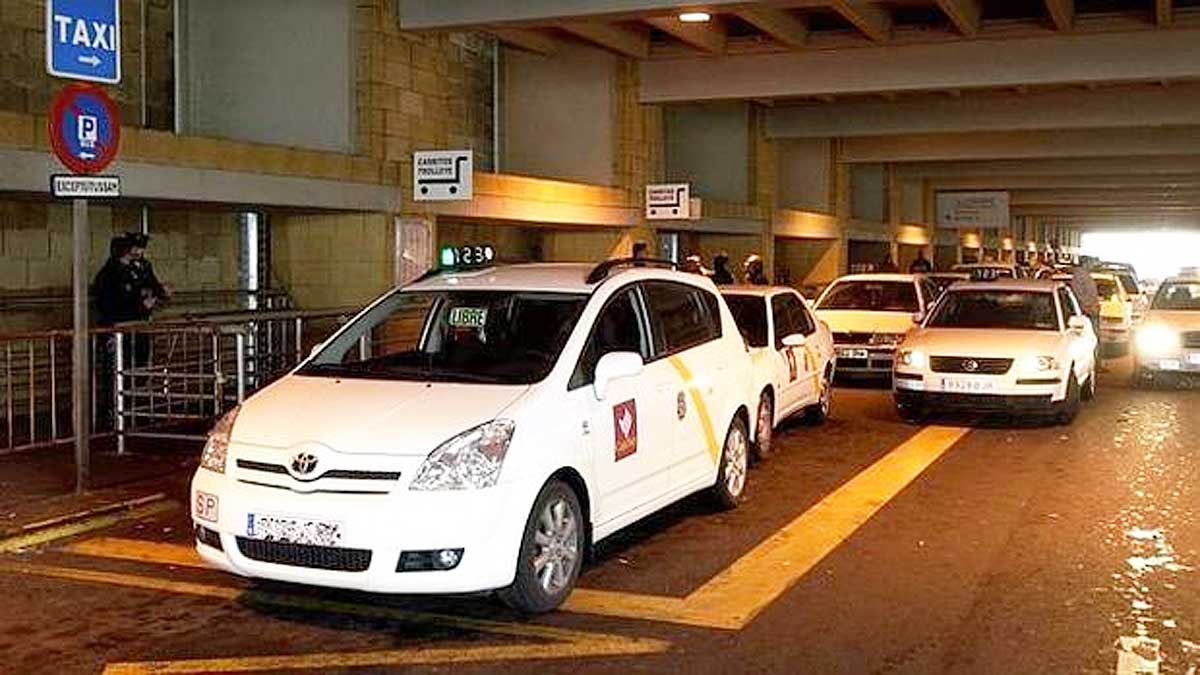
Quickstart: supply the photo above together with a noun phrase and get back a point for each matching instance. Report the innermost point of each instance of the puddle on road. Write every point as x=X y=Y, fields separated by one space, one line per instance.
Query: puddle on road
x=1151 y=637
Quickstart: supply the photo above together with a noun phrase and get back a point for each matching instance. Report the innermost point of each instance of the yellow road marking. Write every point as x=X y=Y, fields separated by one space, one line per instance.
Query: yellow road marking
x=565 y=643
x=49 y=534
x=732 y=598
x=714 y=449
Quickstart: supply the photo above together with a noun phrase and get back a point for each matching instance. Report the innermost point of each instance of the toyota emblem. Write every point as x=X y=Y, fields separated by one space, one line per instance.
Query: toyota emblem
x=970 y=365
x=304 y=463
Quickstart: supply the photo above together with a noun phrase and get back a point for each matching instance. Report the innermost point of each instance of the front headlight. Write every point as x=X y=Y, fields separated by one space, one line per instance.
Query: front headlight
x=887 y=339
x=217 y=446
x=913 y=358
x=1157 y=340
x=1039 y=364
x=469 y=461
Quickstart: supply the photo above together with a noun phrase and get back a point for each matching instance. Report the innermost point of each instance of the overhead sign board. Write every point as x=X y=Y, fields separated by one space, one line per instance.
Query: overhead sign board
x=443 y=175
x=668 y=201
x=85 y=187
x=83 y=40
x=85 y=128
x=970 y=210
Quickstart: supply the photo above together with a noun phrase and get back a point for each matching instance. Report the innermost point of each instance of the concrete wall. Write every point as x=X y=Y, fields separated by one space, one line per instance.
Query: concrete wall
x=270 y=71
x=710 y=146
x=867 y=192
x=558 y=114
x=332 y=260
x=805 y=173
x=26 y=88
x=806 y=262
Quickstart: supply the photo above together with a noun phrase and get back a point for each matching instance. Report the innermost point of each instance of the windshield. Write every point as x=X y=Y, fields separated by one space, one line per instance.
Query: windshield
x=876 y=296
x=1130 y=284
x=493 y=337
x=750 y=312
x=1106 y=288
x=1178 y=297
x=1013 y=310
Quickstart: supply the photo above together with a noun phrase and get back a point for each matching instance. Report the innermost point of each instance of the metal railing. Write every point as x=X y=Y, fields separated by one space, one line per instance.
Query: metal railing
x=156 y=379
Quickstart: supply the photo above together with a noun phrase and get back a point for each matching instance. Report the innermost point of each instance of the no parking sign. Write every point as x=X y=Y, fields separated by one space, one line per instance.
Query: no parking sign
x=85 y=128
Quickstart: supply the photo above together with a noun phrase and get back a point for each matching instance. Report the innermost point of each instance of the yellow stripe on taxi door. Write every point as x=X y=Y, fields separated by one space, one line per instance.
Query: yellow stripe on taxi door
x=714 y=448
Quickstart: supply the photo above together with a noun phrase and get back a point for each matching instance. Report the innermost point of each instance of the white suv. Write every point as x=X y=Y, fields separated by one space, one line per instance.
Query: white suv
x=479 y=430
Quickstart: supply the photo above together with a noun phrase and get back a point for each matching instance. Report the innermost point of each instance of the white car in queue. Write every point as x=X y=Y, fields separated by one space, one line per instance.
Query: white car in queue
x=1007 y=346
x=792 y=353
x=1167 y=343
x=479 y=430
x=870 y=314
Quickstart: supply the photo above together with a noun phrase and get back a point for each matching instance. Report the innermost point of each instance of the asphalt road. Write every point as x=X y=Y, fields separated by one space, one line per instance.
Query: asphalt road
x=1024 y=548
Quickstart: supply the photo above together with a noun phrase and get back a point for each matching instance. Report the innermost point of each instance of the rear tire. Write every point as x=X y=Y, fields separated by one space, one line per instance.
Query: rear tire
x=551 y=554
x=1070 y=409
x=764 y=428
x=731 y=476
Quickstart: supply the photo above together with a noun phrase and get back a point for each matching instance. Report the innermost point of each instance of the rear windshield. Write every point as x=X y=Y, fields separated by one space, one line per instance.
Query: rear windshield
x=1012 y=310
x=1178 y=297
x=1106 y=288
x=876 y=296
x=750 y=312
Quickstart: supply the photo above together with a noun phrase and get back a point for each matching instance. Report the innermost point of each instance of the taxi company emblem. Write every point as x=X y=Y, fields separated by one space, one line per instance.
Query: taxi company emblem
x=304 y=463
x=625 y=429
x=970 y=365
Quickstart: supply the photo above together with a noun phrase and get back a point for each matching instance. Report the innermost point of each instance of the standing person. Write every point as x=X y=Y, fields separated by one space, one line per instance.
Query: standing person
x=118 y=299
x=641 y=250
x=1085 y=291
x=721 y=274
x=921 y=264
x=694 y=265
x=753 y=269
x=151 y=289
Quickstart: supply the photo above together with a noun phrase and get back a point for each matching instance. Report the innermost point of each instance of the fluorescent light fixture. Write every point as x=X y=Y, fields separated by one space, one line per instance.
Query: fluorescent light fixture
x=695 y=17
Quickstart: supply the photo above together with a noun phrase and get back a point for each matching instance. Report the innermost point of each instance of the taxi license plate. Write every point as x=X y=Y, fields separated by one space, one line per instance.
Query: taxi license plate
x=967 y=385
x=845 y=353
x=293 y=529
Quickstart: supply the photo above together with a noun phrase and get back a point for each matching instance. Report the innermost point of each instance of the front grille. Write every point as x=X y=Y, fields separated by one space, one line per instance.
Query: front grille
x=1191 y=340
x=306 y=555
x=970 y=365
x=348 y=474
x=851 y=338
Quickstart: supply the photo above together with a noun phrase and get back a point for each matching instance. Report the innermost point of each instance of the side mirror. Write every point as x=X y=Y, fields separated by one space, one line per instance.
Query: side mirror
x=1077 y=323
x=614 y=366
x=793 y=340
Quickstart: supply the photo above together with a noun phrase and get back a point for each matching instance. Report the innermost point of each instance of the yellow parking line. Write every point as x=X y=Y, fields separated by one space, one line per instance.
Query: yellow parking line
x=49 y=534
x=183 y=555
x=565 y=643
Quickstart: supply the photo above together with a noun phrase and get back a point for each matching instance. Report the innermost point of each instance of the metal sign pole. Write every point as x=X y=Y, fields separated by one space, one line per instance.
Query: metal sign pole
x=81 y=358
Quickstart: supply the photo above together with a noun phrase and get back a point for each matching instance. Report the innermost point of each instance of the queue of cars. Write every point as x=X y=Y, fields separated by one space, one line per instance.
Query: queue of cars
x=534 y=410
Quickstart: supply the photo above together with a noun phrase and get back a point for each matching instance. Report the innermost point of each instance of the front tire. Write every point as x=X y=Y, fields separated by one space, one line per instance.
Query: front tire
x=731 y=476
x=1089 y=389
x=551 y=554
x=818 y=412
x=1070 y=405
x=764 y=432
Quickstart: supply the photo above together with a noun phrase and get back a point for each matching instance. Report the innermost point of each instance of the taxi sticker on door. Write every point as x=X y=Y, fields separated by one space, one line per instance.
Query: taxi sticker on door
x=793 y=369
x=625 y=429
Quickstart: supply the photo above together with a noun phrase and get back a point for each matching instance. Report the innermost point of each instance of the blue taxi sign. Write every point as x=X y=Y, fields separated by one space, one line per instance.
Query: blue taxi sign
x=83 y=40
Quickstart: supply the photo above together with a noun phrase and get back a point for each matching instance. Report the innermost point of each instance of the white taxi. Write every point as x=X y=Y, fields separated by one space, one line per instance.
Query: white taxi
x=1008 y=346
x=1167 y=343
x=869 y=315
x=481 y=429
x=792 y=353
x=1116 y=313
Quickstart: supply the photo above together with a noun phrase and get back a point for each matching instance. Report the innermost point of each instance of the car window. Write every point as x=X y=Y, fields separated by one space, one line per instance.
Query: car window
x=784 y=319
x=1130 y=284
x=618 y=328
x=682 y=316
x=802 y=321
x=877 y=296
x=1105 y=287
x=750 y=313
x=1178 y=296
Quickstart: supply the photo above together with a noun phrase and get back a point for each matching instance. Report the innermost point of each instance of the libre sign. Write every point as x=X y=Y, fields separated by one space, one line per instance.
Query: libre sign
x=443 y=175
x=83 y=40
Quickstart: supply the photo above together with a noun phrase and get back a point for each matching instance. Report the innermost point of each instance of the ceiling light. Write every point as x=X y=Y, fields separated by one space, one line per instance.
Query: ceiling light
x=695 y=17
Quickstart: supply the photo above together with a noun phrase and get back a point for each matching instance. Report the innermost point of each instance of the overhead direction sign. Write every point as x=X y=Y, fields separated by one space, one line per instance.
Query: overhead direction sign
x=85 y=187
x=969 y=210
x=668 y=201
x=85 y=128
x=443 y=175
x=83 y=40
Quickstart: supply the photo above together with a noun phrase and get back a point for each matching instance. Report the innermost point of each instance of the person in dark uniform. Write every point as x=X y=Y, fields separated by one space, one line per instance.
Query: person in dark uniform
x=921 y=264
x=753 y=269
x=721 y=274
x=118 y=299
x=152 y=290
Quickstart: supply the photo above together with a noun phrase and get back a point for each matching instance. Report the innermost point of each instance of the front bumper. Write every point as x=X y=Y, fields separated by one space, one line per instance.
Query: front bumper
x=860 y=359
x=1002 y=393
x=976 y=403
x=487 y=524
x=1185 y=362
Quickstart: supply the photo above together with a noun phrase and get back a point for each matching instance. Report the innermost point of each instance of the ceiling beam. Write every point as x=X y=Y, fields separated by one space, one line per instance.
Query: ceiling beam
x=529 y=40
x=619 y=39
x=1062 y=13
x=964 y=14
x=1164 y=13
x=708 y=36
x=783 y=27
x=872 y=20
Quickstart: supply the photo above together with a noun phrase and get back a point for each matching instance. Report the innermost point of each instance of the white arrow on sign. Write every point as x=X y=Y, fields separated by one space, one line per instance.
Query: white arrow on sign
x=92 y=60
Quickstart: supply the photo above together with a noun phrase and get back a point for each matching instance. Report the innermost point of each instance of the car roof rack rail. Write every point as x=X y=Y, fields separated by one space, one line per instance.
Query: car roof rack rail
x=600 y=272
